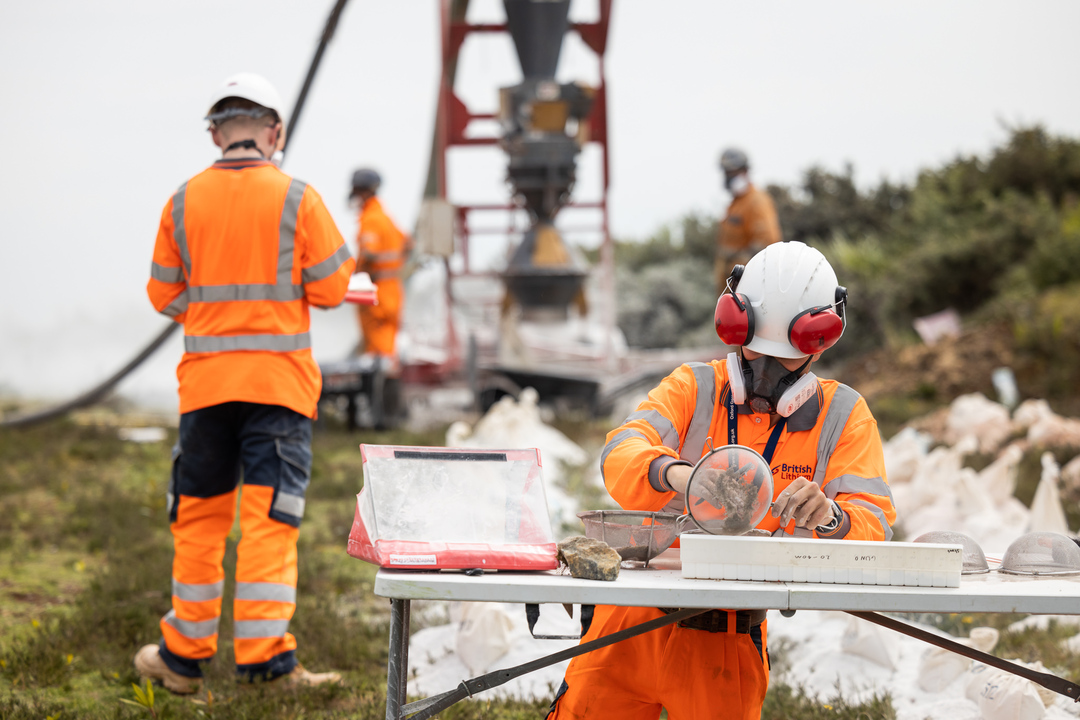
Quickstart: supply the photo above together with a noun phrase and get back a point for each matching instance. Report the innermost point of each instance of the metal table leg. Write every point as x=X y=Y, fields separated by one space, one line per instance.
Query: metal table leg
x=397 y=670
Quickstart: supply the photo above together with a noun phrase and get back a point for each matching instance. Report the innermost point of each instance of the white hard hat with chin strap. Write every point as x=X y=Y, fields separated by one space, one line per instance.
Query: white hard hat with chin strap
x=785 y=303
x=254 y=88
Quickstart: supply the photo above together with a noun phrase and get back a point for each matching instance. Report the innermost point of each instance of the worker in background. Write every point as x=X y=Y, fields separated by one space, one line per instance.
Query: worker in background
x=782 y=310
x=242 y=252
x=382 y=250
x=750 y=224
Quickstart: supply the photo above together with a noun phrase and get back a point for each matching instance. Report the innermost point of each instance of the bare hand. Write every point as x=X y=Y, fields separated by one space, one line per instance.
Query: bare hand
x=678 y=476
x=804 y=501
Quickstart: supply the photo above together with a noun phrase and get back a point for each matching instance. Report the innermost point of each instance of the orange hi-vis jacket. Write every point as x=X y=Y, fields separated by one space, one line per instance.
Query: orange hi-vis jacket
x=751 y=222
x=832 y=440
x=382 y=253
x=382 y=246
x=242 y=251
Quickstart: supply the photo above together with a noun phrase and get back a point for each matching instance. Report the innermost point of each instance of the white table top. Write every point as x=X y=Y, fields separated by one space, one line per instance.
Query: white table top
x=662 y=585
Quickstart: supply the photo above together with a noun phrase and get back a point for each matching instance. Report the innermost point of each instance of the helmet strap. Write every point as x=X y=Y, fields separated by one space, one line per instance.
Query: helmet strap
x=248 y=144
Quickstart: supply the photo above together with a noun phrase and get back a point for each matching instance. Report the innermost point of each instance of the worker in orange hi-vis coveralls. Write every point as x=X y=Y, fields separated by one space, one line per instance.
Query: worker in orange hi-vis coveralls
x=382 y=250
x=751 y=223
x=242 y=252
x=783 y=309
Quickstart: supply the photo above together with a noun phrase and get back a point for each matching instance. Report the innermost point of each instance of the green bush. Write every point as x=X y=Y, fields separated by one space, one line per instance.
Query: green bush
x=975 y=234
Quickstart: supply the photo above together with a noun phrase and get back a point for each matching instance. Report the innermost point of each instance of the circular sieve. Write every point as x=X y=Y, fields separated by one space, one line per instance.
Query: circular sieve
x=729 y=491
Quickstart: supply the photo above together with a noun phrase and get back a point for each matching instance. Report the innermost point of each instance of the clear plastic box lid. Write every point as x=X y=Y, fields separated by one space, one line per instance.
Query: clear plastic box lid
x=974 y=559
x=454 y=495
x=729 y=491
x=1042 y=553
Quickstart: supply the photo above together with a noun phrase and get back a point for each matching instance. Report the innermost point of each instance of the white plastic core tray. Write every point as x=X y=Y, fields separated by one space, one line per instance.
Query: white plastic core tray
x=840 y=562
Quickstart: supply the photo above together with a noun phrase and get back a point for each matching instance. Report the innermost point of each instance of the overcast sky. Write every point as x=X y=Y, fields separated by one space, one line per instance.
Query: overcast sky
x=103 y=104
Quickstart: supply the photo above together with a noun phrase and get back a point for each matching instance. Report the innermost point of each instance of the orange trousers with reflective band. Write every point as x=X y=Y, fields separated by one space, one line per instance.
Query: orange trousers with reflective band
x=379 y=323
x=694 y=674
x=265 y=577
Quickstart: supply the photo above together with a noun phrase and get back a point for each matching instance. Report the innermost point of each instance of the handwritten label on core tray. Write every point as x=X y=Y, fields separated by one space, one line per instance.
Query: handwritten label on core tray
x=412 y=560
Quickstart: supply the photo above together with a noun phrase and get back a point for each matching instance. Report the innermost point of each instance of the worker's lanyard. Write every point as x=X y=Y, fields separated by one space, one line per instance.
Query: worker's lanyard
x=733 y=429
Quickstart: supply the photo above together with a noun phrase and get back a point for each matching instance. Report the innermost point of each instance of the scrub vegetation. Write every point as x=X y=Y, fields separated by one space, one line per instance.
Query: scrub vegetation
x=995 y=238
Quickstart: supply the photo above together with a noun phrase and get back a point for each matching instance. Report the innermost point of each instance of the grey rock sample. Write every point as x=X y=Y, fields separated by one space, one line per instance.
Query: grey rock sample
x=589 y=559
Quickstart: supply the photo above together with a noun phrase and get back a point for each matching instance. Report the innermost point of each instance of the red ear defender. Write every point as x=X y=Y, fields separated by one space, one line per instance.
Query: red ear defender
x=818 y=328
x=734 y=319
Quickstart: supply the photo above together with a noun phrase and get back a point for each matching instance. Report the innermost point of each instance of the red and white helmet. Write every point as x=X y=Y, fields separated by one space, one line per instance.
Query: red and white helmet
x=785 y=303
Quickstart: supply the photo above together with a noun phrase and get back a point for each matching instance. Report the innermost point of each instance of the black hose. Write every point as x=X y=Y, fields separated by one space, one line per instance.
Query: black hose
x=328 y=34
x=95 y=394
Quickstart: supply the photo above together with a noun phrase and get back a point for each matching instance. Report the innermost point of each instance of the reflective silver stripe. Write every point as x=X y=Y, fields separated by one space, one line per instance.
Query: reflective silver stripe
x=234 y=293
x=169 y=500
x=177 y=306
x=289 y=504
x=327 y=267
x=693 y=447
x=389 y=256
x=879 y=513
x=615 y=442
x=384 y=274
x=856 y=484
x=164 y=274
x=836 y=417
x=191 y=629
x=179 y=231
x=229 y=343
x=247 y=629
x=663 y=427
x=276 y=592
x=197 y=592
x=287 y=231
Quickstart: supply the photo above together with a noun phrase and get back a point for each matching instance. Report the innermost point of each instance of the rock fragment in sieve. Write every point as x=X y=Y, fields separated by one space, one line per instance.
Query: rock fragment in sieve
x=726 y=488
x=589 y=559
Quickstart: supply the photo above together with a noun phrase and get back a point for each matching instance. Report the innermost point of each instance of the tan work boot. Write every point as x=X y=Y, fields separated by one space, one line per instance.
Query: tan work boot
x=299 y=677
x=150 y=666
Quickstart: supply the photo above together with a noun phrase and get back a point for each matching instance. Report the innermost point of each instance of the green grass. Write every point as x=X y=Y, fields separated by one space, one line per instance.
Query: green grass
x=85 y=558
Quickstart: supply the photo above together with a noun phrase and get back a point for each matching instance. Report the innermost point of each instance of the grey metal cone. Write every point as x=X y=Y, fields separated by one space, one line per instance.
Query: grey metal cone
x=537 y=27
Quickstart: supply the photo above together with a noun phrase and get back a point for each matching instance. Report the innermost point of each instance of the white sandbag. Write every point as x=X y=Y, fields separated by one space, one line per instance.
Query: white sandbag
x=1055 y=431
x=517 y=423
x=1070 y=476
x=973 y=498
x=940 y=667
x=997 y=529
x=483 y=635
x=871 y=642
x=975 y=414
x=1003 y=696
x=998 y=479
x=903 y=454
x=1031 y=412
x=983 y=639
x=1047 y=515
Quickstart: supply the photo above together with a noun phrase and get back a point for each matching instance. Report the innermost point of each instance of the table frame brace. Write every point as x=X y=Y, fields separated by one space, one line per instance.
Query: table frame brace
x=1048 y=681
x=396 y=709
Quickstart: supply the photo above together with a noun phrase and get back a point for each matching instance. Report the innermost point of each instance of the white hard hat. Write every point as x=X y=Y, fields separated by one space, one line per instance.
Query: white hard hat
x=781 y=282
x=249 y=86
